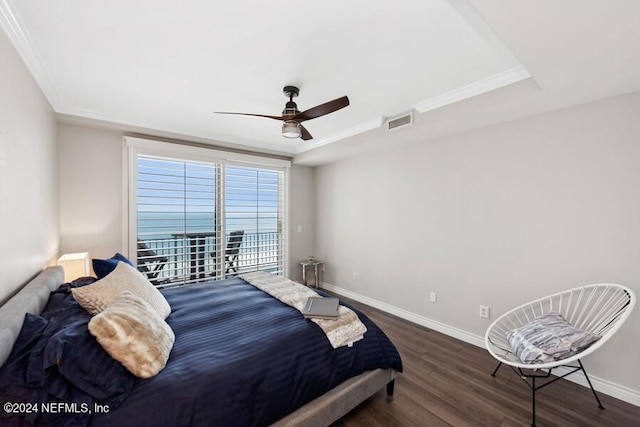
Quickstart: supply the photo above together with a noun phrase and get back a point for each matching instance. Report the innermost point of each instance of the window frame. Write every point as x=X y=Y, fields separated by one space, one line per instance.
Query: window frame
x=134 y=146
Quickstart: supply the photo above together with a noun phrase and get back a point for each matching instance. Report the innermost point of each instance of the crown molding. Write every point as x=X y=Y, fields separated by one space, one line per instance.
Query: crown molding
x=496 y=81
x=13 y=27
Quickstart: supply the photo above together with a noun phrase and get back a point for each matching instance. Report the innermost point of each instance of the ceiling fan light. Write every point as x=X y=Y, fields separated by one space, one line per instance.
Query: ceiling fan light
x=291 y=129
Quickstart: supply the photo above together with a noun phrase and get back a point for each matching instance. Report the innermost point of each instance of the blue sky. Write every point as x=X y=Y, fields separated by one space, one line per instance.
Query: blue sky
x=174 y=194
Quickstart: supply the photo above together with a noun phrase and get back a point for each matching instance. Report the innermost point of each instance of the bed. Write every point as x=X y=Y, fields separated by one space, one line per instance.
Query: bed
x=240 y=357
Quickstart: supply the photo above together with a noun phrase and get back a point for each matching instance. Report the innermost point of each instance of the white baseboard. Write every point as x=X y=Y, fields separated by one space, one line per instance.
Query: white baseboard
x=601 y=385
x=407 y=315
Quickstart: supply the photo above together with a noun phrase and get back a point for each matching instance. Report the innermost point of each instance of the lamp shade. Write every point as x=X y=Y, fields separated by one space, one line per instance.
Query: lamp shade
x=75 y=265
x=291 y=129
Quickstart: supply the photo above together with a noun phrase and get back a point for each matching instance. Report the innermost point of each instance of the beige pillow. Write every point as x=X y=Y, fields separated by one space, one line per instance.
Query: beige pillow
x=131 y=332
x=96 y=297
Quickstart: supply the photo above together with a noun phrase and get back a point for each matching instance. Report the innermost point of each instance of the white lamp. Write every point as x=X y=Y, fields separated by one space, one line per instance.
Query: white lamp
x=75 y=265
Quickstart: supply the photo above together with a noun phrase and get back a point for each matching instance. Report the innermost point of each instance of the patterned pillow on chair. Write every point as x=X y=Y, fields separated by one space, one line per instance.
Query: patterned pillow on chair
x=547 y=338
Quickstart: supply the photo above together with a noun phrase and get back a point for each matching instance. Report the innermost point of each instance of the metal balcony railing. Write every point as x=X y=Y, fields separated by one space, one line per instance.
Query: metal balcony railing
x=182 y=258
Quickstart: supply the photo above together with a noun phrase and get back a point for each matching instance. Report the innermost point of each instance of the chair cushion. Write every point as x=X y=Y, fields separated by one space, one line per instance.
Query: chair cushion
x=131 y=331
x=547 y=338
x=98 y=296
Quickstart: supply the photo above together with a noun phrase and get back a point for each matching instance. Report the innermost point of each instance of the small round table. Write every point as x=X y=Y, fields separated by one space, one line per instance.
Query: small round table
x=316 y=274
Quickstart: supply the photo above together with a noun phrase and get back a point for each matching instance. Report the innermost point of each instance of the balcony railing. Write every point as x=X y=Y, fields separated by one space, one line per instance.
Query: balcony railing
x=191 y=257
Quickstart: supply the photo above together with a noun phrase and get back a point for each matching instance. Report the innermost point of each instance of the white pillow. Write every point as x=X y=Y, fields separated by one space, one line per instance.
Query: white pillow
x=131 y=332
x=96 y=297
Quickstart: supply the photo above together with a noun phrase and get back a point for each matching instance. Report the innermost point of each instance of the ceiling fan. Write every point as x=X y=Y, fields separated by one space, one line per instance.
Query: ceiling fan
x=292 y=117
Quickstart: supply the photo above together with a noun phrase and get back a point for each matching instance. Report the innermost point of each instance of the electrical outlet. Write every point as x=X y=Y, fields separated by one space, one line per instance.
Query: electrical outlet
x=484 y=311
x=355 y=276
x=433 y=297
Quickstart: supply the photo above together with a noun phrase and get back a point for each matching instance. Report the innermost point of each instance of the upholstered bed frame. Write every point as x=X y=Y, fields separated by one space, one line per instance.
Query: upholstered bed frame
x=30 y=299
x=324 y=410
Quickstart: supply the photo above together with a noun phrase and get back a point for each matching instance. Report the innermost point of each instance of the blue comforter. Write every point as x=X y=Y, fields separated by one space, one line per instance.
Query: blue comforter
x=240 y=358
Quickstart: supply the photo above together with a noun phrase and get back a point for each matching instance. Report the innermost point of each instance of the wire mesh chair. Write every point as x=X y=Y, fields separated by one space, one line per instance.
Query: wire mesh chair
x=600 y=309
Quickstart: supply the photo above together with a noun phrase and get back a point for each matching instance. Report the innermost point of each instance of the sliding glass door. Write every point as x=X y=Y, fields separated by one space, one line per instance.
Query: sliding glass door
x=198 y=220
x=254 y=205
x=177 y=225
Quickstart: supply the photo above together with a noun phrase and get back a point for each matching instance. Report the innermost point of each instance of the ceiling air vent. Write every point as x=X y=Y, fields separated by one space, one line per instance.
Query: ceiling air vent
x=400 y=121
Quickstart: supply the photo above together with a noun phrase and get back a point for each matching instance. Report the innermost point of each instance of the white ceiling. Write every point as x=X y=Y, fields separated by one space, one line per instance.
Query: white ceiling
x=166 y=66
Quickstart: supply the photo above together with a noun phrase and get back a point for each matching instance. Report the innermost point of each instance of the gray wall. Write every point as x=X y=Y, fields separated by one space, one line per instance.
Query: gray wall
x=28 y=175
x=91 y=191
x=301 y=218
x=497 y=217
x=91 y=194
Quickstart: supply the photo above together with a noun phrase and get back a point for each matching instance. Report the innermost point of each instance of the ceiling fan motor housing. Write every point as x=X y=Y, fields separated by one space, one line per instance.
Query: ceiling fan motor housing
x=291 y=108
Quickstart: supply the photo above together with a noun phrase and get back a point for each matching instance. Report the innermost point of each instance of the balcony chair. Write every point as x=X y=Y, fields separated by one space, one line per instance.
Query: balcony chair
x=232 y=251
x=150 y=263
x=593 y=312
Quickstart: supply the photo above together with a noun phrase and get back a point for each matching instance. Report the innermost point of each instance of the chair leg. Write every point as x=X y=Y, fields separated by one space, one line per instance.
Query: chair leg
x=231 y=265
x=496 y=370
x=589 y=381
x=533 y=401
x=533 y=387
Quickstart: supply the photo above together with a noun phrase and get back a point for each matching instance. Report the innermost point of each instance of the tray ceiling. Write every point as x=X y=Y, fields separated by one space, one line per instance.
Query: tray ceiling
x=168 y=66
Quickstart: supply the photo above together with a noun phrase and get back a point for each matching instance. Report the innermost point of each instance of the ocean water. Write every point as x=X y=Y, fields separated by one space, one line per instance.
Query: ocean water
x=167 y=234
x=155 y=225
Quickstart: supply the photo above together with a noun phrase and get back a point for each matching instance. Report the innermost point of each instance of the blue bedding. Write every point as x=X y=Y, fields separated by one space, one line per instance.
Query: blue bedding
x=241 y=357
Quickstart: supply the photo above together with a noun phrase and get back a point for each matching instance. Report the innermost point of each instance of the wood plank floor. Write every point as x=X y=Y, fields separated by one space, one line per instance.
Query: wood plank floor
x=447 y=382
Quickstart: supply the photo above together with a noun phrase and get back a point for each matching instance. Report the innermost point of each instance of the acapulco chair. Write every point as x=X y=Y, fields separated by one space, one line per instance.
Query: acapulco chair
x=600 y=309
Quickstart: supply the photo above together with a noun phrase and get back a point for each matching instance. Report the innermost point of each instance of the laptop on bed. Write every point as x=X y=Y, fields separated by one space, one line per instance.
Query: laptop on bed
x=321 y=308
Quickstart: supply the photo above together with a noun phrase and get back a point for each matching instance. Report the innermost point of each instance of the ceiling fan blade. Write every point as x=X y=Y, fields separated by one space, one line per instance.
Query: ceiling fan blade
x=322 y=109
x=254 y=115
x=304 y=134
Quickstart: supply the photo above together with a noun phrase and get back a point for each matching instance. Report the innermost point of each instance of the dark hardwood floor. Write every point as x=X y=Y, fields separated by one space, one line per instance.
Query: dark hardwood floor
x=447 y=382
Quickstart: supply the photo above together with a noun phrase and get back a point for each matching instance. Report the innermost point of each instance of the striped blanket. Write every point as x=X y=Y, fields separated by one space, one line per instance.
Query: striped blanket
x=345 y=330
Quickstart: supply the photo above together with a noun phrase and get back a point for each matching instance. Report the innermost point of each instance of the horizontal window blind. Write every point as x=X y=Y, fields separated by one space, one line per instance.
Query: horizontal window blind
x=254 y=204
x=203 y=220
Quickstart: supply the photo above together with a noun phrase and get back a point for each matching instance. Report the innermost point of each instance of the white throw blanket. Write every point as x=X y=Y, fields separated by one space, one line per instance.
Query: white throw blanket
x=344 y=330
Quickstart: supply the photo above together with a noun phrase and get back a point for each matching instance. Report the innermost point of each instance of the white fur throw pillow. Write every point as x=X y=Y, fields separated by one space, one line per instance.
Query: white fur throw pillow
x=99 y=295
x=131 y=332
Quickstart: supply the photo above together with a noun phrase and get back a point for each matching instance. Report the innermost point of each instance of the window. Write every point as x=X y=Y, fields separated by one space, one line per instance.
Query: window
x=194 y=215
x=253 y=204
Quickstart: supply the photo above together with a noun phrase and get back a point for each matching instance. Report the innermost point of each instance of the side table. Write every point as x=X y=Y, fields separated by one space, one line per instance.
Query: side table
x=316 y=273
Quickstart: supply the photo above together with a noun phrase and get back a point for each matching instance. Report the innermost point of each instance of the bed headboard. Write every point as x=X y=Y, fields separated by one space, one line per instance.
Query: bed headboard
x=32 y=298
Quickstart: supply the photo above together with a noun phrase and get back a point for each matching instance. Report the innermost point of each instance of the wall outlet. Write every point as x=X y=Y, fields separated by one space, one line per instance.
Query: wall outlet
x=354 y=276
x=433 y=297
x=484 y=311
